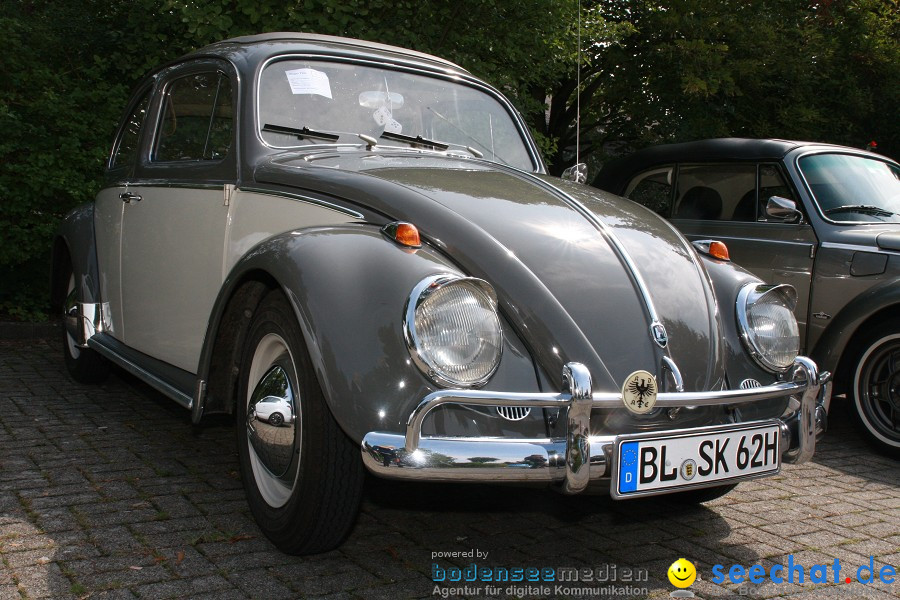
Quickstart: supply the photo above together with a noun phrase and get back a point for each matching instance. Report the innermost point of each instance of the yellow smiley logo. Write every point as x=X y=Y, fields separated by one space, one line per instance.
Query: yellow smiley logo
x=682 y=573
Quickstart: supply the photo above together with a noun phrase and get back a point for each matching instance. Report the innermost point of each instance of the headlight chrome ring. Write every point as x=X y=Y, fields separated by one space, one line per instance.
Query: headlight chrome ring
x=768 y=327
x=452 y=330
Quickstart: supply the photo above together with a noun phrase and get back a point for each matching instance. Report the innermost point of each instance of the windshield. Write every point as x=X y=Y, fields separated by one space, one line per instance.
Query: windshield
x=304 y=102
x=851 y=188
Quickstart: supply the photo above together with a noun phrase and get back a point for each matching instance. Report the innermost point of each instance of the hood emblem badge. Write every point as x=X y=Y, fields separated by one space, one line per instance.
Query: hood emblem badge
x=639 y=392
x=658 y=331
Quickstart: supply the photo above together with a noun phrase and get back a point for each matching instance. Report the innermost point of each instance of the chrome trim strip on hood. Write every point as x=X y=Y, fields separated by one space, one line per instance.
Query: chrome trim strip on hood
x=657 y=330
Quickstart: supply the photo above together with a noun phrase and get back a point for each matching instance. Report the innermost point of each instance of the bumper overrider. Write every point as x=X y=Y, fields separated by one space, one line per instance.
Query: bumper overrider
x=581 y=457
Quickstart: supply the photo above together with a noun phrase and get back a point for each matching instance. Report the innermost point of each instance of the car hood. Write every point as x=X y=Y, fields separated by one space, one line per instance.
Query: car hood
x=566 y=260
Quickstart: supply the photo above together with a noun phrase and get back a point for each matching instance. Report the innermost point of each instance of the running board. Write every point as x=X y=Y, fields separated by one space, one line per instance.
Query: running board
x=163 y=377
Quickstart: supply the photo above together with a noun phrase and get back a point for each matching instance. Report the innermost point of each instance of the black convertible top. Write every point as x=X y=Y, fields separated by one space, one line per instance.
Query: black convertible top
x=616 y=174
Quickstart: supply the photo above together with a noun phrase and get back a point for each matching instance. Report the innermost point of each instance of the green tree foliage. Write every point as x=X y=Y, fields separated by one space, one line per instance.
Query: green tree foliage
x=649 y=72
x=822 y=70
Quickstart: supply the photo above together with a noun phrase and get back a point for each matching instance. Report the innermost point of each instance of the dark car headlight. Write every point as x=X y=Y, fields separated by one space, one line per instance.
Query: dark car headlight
x=453 y=330
x=765 y=314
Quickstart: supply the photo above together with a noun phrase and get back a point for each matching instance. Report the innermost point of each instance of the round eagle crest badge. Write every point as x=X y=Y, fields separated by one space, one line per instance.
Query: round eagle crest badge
x=639 y=392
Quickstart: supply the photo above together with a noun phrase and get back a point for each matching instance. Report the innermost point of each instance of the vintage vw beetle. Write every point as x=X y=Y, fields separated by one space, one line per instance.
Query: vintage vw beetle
x=365 y=238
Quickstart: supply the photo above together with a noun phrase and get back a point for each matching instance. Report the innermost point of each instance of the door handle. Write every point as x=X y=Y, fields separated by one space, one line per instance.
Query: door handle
x=128 y=197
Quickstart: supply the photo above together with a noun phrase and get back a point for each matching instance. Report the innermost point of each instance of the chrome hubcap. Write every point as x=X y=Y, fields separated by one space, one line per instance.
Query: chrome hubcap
x=272 y=421
x=70 y=317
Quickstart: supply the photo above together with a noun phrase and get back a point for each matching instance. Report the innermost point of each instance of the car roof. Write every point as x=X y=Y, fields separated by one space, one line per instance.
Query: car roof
x=614 y=174
x=288 y=42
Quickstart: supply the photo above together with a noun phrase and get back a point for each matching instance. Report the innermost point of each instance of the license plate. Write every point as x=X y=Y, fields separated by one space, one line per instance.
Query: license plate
x=647 y=464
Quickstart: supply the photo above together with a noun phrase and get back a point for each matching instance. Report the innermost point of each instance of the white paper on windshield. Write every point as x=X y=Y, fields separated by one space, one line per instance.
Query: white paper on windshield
x=309 y=81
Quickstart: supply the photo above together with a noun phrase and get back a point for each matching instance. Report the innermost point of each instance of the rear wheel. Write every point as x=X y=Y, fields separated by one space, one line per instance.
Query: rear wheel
x=303 y=476
x=83 y=364
x=876 y=387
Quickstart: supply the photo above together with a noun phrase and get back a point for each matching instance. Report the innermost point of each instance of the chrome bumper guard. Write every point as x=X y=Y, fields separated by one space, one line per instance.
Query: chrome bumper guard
x=581 y=457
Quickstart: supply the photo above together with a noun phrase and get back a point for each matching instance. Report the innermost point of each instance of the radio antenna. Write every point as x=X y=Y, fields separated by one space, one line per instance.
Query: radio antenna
x=578 y=93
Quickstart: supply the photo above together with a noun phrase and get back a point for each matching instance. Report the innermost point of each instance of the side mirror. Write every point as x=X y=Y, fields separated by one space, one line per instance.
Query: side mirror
x=576 y=173
x=783 y=210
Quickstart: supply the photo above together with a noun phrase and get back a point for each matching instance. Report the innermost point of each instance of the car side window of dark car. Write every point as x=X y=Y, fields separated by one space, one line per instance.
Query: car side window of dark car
x=653 y=189
x=126 y=146
x=197 y=119
x=772 y=183
x=716 y=192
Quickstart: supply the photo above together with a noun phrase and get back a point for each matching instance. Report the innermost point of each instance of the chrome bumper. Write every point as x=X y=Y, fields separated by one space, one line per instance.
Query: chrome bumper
x=581 y=457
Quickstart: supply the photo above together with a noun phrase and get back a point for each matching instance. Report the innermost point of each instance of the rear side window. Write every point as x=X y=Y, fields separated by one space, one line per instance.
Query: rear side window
x=197 y=121
x=716 y=192
x=127 y=144
x=653 y=189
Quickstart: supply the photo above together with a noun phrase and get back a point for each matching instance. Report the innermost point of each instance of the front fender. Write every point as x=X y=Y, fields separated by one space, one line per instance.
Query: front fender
x=728 y=279
x=75 y=242
x=349 y=286
x=834 y=340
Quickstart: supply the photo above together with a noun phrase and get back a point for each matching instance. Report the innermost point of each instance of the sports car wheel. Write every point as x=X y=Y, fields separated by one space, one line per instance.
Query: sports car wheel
x=876 y=387
x=83 y=364
x=303 y=477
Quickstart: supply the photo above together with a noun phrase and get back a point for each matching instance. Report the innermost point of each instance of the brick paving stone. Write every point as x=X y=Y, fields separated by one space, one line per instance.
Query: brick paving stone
x=261 y=583
x=9 y=592
x=189 y=587
x=113 y=477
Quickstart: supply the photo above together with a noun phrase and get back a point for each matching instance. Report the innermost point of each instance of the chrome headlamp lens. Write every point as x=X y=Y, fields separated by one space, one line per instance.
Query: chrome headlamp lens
x=768 y=326
x=453 y=330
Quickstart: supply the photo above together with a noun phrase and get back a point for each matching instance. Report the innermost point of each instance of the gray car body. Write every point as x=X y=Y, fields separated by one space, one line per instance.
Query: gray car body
x=847 y=275
x=551 y=249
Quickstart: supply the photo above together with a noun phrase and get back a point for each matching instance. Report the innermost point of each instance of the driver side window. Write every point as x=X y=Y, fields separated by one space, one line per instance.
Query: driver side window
x=197 y=119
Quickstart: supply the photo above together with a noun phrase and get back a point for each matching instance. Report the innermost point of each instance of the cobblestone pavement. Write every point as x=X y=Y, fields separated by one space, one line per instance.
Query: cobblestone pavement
x=108 y=492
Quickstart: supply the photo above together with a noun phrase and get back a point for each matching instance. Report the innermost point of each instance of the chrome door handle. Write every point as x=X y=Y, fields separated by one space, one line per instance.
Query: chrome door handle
x=128 y=197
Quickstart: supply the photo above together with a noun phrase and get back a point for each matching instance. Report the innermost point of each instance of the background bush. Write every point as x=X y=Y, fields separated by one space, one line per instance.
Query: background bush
x=823 y=70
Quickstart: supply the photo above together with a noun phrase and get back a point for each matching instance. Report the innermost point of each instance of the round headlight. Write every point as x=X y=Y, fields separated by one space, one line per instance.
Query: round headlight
x=768 y=325
x=453 y=330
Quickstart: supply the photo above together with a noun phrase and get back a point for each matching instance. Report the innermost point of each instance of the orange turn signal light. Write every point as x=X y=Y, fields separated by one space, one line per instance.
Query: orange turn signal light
x=718 y=250
x=713 y=248
x=405 y=234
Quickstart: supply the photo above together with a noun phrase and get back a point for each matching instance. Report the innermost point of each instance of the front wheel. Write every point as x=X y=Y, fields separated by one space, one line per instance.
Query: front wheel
x=876 y=387
x=303 y=476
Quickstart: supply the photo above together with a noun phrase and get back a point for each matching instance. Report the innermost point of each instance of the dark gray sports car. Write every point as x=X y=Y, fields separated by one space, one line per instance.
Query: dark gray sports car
x=365 y=239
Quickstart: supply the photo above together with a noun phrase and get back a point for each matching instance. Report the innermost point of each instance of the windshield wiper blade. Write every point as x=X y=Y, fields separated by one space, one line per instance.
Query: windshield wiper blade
x=868 y=209
x=305 y=133
x=414 y=141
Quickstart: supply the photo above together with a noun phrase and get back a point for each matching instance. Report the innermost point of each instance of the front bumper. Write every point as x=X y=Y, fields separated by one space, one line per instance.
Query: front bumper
x=580 y=458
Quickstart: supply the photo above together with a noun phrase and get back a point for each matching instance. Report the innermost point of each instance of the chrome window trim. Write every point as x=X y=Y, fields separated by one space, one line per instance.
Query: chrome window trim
x=812 y=196
x=447 y=75
x=416 y=297
x=744 y=322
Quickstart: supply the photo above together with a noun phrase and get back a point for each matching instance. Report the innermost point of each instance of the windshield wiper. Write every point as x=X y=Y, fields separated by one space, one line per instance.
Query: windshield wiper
x=305 y=133
x=869 y=209
x=414 y=141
